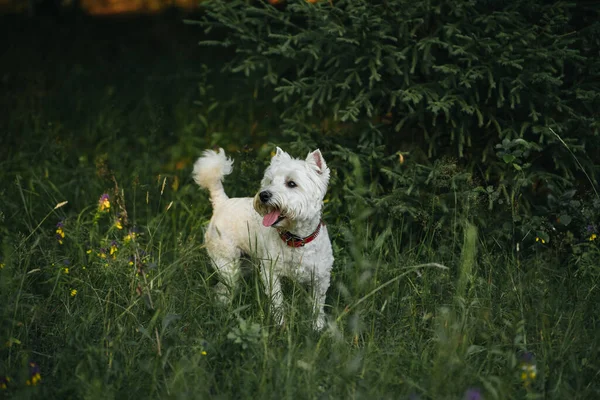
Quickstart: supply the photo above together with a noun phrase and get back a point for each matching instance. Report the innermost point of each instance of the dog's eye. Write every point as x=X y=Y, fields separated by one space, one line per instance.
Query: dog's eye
x=291 y=184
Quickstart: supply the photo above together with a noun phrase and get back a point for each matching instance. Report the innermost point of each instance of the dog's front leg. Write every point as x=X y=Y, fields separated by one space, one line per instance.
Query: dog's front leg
x=320 y=286
x=272 y=285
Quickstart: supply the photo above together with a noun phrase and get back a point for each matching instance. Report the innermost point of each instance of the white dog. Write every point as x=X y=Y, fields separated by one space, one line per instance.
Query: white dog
x=281 y=226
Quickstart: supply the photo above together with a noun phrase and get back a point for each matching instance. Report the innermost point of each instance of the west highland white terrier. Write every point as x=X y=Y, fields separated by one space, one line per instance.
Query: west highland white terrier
x=281 y=226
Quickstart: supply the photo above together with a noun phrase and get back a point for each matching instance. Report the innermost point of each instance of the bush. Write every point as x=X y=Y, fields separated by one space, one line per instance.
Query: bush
x=504 y=95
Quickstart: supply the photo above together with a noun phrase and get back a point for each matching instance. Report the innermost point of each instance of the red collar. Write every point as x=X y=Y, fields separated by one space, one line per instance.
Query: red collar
x=294 y=241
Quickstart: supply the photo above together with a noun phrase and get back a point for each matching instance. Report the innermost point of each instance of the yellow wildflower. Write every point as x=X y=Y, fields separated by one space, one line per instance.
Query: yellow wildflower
x=34 y=375
x=528 y=373
x=528 y=368
x=593 y=237
x=113 y=249
x=60 y=232
x=34 y=380
x=130 y=236
x=73 y=292
x=4 y=381
x=539 y=239
x=104 y=203
x=66 y=270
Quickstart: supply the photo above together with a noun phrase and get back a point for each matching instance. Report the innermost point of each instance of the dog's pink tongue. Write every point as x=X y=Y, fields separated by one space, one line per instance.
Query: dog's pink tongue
x=271 y=217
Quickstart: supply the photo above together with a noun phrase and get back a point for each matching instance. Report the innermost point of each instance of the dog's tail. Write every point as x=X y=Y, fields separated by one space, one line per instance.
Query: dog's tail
x=209 y=171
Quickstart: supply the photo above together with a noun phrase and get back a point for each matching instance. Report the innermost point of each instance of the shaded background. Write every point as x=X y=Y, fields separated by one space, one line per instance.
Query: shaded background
x=90 y=77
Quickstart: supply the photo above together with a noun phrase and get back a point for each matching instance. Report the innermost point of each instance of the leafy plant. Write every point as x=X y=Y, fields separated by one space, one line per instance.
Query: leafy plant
x=505 y=92
x=246 y=334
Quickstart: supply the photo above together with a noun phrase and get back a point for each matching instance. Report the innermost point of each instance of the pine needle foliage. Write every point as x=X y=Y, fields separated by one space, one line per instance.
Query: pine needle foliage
x=459 y=75
x=505 y=94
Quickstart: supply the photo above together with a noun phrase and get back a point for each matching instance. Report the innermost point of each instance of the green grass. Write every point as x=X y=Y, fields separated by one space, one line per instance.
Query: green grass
x=432 y=318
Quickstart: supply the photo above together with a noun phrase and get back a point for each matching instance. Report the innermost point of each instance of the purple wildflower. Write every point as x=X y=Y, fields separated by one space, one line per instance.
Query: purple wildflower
x=527 y=357
x=473 y=394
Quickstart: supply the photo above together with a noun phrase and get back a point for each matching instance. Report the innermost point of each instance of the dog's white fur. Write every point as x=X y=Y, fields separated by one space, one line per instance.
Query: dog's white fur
x=239 y=225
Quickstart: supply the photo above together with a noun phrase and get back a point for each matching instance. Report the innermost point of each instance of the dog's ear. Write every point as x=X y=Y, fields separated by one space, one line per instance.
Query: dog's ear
x=316 y=160
x=280 y=155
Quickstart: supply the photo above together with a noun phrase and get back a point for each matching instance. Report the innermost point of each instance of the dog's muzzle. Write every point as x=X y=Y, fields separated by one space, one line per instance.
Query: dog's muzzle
x=265 y=196
x=271 y=213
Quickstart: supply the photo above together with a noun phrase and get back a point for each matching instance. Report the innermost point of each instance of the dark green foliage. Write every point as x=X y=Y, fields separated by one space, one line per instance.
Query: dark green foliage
x=461 y=73
x=507 y=93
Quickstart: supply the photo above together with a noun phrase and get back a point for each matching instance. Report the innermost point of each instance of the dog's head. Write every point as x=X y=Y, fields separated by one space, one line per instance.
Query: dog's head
x=292 y=190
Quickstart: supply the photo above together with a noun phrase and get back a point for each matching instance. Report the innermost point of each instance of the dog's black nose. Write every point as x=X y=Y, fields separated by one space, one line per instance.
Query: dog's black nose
x=265 y=196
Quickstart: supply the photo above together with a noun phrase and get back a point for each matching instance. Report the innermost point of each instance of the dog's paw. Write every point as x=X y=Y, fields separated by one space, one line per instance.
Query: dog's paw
x=320 y=323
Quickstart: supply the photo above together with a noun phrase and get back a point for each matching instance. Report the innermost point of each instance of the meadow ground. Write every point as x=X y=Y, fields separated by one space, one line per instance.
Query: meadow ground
x=110 y=297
